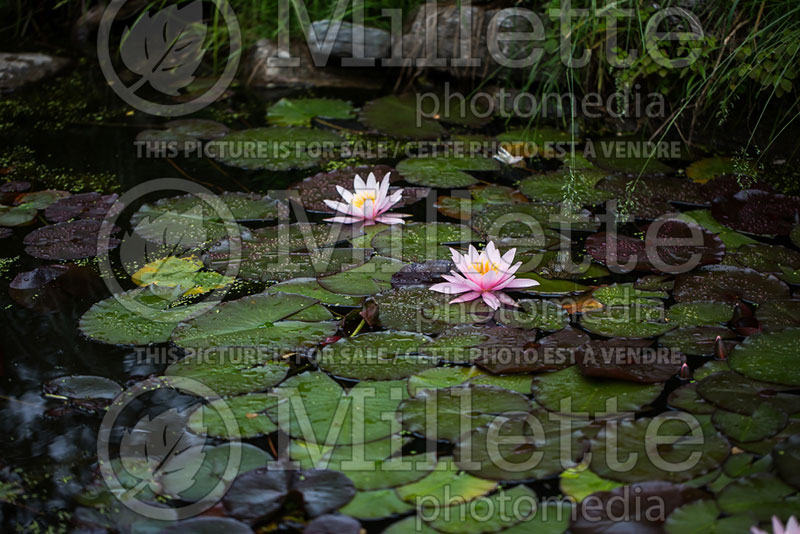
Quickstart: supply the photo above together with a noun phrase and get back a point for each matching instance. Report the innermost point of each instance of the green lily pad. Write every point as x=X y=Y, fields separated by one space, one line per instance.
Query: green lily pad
x=300 y=111
x=702 y=517
x=443 y=377
x=627 y=295
x=367 y=279
x=389 y=473
x=417 y=242
x=459 y=409
x=376 y=504
x=769 y=357
x=696 y=340
x=229 y=371
x=409 y=525
x=630 y=165
x=787 y=459
x=255 y=321
x=709 y=168
x=765 y=421
x=445 y=486
x=627 y=321
x=580 y=482
x=136 y=317
x=568 y=391
x=687 y=399
x=552 y=288
x=316 y=456
x=794 y=235
x=376 y=356
x=446 y=172
x=488 y=515
x=423 y=310
x=398 y=116
x=552 y=187
x=778 y=314
x=456 y=344
x=247 y=409
x=82 y=387
x=732 y=239
x=684 y=447
x=541 y=136
x=316 y=409
x=17 y=215
x=517 y=449
x=540 y=314
x=765 y=258
x=733 y=392
x=309 y=287
x=180 y=272
x=306 y=148
x=760 y=496
x=480 y=197
x=700 y=313
x=199 y=128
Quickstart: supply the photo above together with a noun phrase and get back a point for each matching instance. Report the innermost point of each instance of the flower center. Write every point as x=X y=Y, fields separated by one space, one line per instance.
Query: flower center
x=485 y=267
x=363 y=196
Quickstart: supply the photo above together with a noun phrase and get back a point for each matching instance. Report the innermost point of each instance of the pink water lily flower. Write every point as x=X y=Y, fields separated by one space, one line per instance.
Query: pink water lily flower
x=483 y=275
x=367 y=203
x=792 y=527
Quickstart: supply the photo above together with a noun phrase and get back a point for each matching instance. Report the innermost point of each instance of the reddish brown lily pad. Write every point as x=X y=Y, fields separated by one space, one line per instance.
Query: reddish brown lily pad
x=722 y=283
x=757 y=212
x=634 y=360
x=68 y=241
x=518 y=352
x=82 y=206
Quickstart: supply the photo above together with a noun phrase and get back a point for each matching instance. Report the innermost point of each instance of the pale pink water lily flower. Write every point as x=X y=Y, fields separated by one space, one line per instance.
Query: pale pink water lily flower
x=367 y=203
x=792 y=527
x=483 y=275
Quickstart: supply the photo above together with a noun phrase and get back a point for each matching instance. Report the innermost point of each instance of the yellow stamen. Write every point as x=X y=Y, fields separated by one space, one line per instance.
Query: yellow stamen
x=360 y=198
x=485 y=267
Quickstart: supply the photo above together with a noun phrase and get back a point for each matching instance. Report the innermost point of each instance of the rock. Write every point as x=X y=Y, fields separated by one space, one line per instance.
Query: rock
x=21 y=69
x=260 y=73
x=377 y=42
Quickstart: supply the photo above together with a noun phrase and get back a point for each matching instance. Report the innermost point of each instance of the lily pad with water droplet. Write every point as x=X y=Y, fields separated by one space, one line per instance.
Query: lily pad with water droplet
x=489 y=515
x=513 y=353
x=634 y=360
x=697 y=340
x=248 y=410
x=300 y=111
x=314 y=408
x=682 y=436
x=540 y=314
x=397 y=115
x=732 y=240
x=309 y=287
x=423 y=310
x=81 y=206
x=777 y=314
x=477 y=199
x=314 y=455
x=759 y=496
x=706 y=169
x=625 y=294
x=367 y=279
x=568 y=391
x=262 y=320
x=765 y=258
x=459 y=409
x=376 y=504
x=765 y=421
x=580 y=482
x=275 y=149
x=700 y=313
x=82 y=387
x=733 y=392
x=444 y=172
x=180 y=272
x=551 y=187
x=232 y=371
x=17 y=215
x=199 y=128
x=722 y=283
x=68 y=241
x=769 y=357
x=376 y=356
x=627 y=321
x=757 y=212
x=445 y=486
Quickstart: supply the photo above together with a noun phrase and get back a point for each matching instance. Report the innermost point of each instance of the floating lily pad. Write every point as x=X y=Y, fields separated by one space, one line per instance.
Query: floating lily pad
x=398 y=116
x=760 y=496
x=255 y=321
x=722 y=283
x=580 y=482
x=766 y=258
x=275 y=149
x=769 y=357
x=544 y=138
x=552 y=187
x=777 y=314
x=568 y=391
x=82 y=387
x=199 y=128
x=478 y=199
x=409 y=525
x=367 y=279
x=634 y=360
x=180 y=272
x=376 y=356
x=757 y=212
x=445 y=486
x=733 y=392
x=697 y=340
x=81 y=206
x=137 y=317
x=418 y=242
x=258 y=494
x=229 y=371
x=68 y=241
x=314 y=455
x=787 y=459
x=309 y=287
x=300 y=111
x=627 y=295
x=422 y=273
x=686 y=399
x=540 y=314
x=17 y=215
x=443 y=377
x=511 y=354
x=700 y=313
x=706 y=169
x=732 y=240
x=552 y=288
x=208 y=525
x=765 y=421
x=376 y=504
x=248 y=411
x=627 y=321
x=631 y=165
x=423 y=310
x=488 y=515
x=333 y=524
x=40 y=199
x=459 y=409
x=445 y=172
x=517 y=449
x=316 y=409
x=164 y=140
x=651 y=196
x=686 y=449
x=456 y=344
x=388 y=473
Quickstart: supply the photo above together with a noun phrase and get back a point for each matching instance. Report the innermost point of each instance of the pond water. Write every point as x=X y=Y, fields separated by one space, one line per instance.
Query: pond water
x=732 y=319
